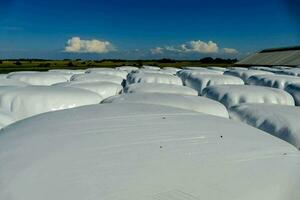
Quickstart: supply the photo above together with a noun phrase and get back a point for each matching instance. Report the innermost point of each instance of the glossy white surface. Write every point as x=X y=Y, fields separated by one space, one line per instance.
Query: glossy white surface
x=118 y=151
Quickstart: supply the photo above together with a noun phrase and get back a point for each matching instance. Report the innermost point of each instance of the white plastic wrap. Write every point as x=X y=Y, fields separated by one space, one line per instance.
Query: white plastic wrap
x=193 y=103
x=159 y=88
x=280 y=121
x=94 y=77
x=231 y=95
x=146 y=77
x=200 y=82
x=245 y=74
x=23 y=102
x=275 y=81
x=294 y=90
x=108 y=71
x=131 y=151
x=40 y=78
x=104 y=89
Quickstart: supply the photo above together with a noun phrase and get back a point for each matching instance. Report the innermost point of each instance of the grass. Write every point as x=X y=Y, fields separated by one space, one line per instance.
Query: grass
x=11 y=66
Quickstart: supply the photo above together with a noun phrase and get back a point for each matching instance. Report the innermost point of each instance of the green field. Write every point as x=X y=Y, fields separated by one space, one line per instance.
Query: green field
x=29 y=65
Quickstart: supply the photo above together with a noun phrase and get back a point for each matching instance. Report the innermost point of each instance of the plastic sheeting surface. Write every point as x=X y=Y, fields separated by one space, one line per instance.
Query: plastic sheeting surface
x=200 y=82
x=280 y=121
x=159 y=88
x=104 y=89
x=23 y=102
x=146 y=77
x=193 y=103
x=231 y=95
x=143 y=152
x=275 y=81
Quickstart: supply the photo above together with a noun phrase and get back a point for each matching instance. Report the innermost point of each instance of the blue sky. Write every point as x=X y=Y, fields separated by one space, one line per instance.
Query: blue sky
x=144 y=29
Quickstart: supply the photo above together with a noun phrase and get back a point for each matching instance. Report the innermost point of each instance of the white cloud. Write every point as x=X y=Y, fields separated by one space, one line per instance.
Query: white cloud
x=197 y=46
x=230 y=51
x=157 y=50
x=173 y=49
x=200 y=47
x=76 y=45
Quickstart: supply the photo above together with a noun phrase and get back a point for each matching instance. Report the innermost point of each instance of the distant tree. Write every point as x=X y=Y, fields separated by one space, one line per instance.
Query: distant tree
x=1 y=62
x=234 y=60
x=91 y=65
x=207 y=60
x=18 y=63
x=47 y=65
x=140 y=63
x=77 y=60
x=166 y=60
x=220 y=61
x=70 y=64
x=112 y=60
x=83 y=63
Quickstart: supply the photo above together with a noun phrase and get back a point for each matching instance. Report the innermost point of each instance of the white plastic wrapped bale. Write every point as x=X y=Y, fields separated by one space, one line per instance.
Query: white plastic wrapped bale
x=280 y=121
x=143 y=152
x=108 y=71
x=275 y=81
x=258 y=67
x=232 y=95
x=222 y=69
x=292 y=71
x=199 y=82
x=23 y=72
x=171 y=70
x=3 y=76
x=151 y=67
x=199 y=71
x=193 y=103
x=245 y=74
x=192 y=68
x=141 y=77
x=238 y=68
x=127 y=68
x=94 y=77
x=23 y=102
x=273 y=68
x=153 y=71
x=104 y=89
x=4 y=89
x=281 y=67
x=294 y=90
x=40 y=78
x=159 y=88
x=67 y=75
x=268 y=69
x=68 y=71
x=186 y=73
x=5 y=119
x=11 y=82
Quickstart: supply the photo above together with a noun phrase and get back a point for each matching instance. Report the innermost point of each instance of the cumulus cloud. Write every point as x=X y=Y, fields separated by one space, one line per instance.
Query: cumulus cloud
x=77 y=45
x=230 y=51
x=157 y=50
x=196 y=46
x=200 y=47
